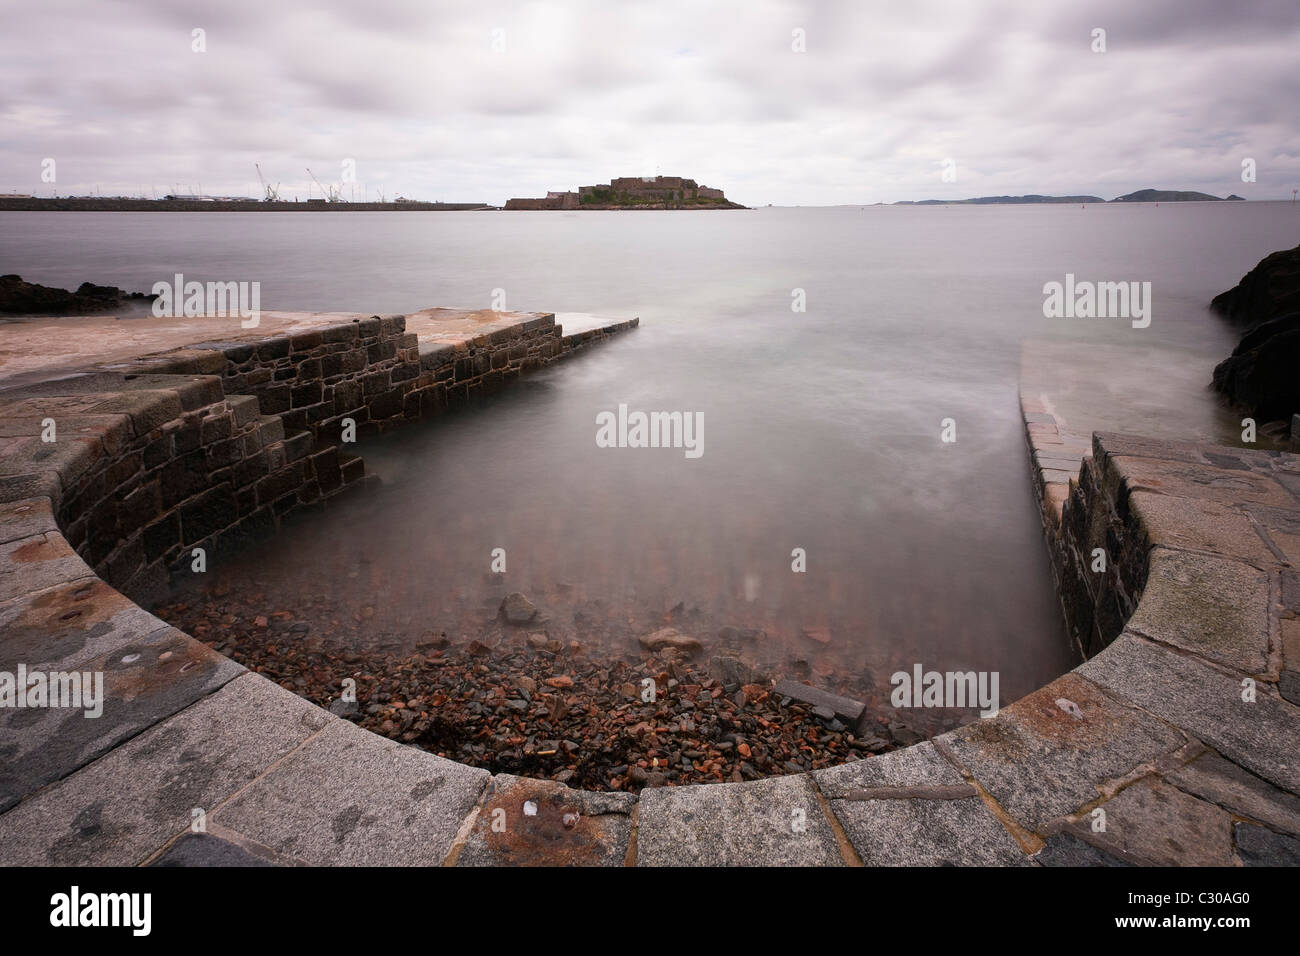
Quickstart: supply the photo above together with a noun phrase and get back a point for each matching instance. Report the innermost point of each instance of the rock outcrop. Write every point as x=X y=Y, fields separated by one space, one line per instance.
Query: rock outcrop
x=27 y=298
x=1261 y=374
x=1268 y=291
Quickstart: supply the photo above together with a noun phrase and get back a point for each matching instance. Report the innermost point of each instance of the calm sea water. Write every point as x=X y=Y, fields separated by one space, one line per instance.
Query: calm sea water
x=821 y=428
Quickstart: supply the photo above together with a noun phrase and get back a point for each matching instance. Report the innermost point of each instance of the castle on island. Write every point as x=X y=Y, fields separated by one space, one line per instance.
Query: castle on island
x=633 y=192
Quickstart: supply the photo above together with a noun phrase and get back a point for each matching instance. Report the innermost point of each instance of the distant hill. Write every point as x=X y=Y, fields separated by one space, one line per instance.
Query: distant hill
x=1172 y=195
x=999 y=200
x=1142 y=195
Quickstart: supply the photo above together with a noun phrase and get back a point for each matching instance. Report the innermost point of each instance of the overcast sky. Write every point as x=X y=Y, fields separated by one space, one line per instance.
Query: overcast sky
x=481 y=101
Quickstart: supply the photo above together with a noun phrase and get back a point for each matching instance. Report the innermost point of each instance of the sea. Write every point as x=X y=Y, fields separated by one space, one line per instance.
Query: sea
x=825 y=353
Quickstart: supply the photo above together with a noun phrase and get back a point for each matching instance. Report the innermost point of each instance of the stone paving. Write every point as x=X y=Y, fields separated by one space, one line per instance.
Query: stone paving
x=1175 y=743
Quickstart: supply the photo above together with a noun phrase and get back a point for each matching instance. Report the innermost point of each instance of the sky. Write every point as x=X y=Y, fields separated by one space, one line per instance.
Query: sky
x=774 y=102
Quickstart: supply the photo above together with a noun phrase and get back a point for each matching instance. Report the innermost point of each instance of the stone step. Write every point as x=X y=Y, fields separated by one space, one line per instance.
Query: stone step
x=352 y=467
x=246 y=409
x=272 y=429
x=298 y=445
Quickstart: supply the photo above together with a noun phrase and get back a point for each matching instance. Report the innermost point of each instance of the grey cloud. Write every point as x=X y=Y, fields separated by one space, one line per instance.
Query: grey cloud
x=584 y=90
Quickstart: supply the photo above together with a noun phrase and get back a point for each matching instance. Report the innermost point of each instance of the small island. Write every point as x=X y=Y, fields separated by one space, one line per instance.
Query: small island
x=1000 y=200
x=633 y=192
x=1173 y=195
x=1142 y=195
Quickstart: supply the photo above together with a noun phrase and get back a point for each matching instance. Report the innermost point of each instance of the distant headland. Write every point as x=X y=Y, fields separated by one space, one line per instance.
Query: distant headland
x=1172 y=195
x=633 y=192
x=1142 y=195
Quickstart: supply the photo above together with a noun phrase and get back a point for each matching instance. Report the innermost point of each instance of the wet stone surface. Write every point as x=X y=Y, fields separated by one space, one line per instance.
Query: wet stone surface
x=142 y=682
x=528 y=822
x=202 y=849
x=394 y=805
x=1040 y=761
x=776 y=822
x=123 y=807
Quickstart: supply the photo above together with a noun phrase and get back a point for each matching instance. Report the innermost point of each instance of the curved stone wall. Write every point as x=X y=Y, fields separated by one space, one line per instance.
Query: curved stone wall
x=1175 y=743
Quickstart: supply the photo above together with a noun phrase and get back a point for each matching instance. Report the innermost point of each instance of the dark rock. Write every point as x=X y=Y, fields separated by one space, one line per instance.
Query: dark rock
x=27 y=298
x=517 y=609
x=1268 y=291
x=904 y=735
x=731 y=670
x=1260 y=375
x=670 y=637
x=433 y=642
x=846 y=708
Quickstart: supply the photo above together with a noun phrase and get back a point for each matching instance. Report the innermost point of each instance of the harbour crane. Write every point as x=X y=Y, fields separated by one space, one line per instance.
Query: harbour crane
x=331 y=193
x=271 y=193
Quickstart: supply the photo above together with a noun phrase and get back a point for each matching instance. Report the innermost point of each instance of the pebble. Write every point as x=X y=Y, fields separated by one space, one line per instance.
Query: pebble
x=670 y=637
x=516 y=609
x=533 y=705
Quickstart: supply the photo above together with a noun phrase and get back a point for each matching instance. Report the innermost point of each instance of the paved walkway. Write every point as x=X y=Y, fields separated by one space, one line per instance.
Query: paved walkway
x=33 y=350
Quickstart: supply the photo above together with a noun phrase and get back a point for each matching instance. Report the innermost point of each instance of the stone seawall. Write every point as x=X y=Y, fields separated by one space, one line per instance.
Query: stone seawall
x=210 y=446
x=1176 y=565
x=1136 y=502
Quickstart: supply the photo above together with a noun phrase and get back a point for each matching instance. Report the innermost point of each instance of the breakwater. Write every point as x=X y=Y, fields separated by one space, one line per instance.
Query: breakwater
x=107 y=204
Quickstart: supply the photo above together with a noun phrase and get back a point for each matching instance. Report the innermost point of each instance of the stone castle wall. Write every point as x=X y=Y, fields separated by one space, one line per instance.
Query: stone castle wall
x=655 y=192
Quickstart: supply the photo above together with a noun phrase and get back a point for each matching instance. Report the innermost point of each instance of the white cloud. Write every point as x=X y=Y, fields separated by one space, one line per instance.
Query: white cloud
x=585 y=91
